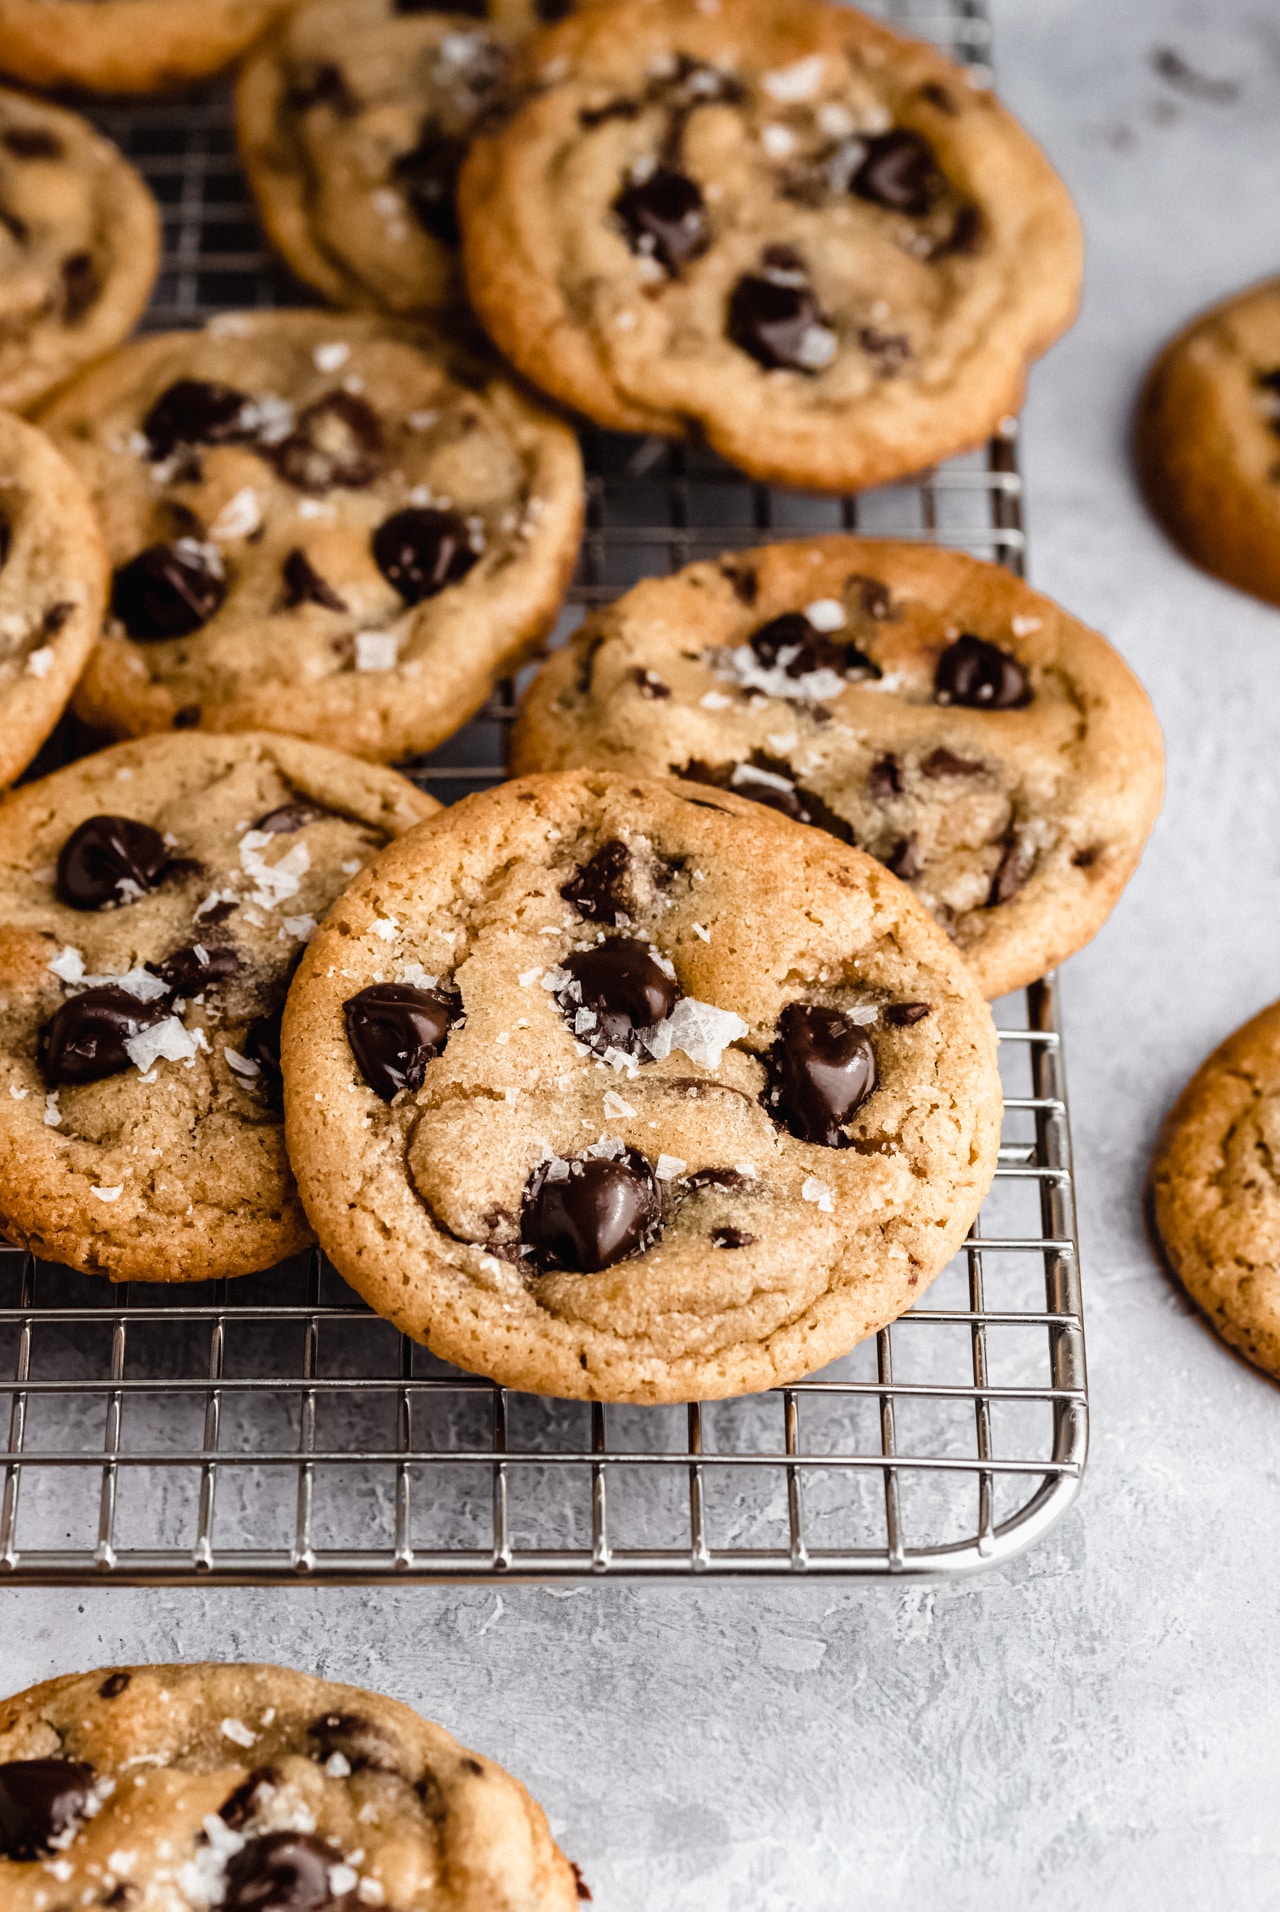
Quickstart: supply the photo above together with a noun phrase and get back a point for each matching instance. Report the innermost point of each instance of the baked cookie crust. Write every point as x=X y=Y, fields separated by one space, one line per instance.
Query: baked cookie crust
x=514 y=1167
x=126 y=46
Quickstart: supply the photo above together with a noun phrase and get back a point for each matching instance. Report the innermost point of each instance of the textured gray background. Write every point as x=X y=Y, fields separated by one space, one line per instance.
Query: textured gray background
x=1098 y=1725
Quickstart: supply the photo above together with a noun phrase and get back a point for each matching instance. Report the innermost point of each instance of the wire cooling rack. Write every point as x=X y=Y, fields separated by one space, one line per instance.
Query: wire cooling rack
x=273 y=1429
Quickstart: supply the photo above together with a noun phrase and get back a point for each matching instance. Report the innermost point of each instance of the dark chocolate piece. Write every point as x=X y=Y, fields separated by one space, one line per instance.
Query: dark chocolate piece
x=944 y=763
x=792 y=643
x=884 y=779
x=85 y=1040
x=104 y=853
x=168 y=590
x=81 y=285
x=625 y=988
x=41 y=1801
x=336 y=441
x=731 y=1238
x=420 y=551
x=114 y=1685
x=187 y=971
x=597 y=890
x=249 y=1798
x=303 y=584
x=360 y=1741
x=194 y=411
x=665 y=218
x=290 y=817
x=1017 y=860
x=429 y=176
x=821 y=1070
x=980 y=676
x=284 y=1872
x=773 y=319
x=904 y=858
x=395 y=1029
x=599 y=1213
x=31 y=142
x=903 y=1014
x=899 y=173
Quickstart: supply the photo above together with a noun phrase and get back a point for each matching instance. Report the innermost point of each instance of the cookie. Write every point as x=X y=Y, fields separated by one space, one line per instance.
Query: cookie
x=993 y=752
x=619 y=1090
x=79 y=243
x=126 y=46
x=354 y=116
x=1216 y=1194
x=330 y=525
x=257 y=1789
x=814 y=242
x=154 y=901
x=53 y=589
x=1208 y=440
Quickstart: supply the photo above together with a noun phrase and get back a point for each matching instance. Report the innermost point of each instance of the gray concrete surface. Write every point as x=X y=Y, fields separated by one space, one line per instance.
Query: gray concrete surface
x=1098 y=1725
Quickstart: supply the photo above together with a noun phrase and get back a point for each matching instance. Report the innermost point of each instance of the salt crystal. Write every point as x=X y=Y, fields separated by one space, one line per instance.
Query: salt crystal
x=52 y=1113
x=1024 y=626
x=615 y=1106
x=167 y=1039
x=705 y=934
x=301 y=927
x=240 y=517
x=816 y=1191
x=799 y=81
x=68 y=964
x=331 y=358
x=236 y=1730
x=19 y=1095
x=416 y=976
x=376 y=650
x=243 y=1065
x=528 y=976
x=668 y=1167
x=338 y=1766
x=385 y=927
x=715 y=700
x=826 y=614
x=778 y=141
x=108 y=1194
x=40 y=662
x=699 y=1029
x=275 y=881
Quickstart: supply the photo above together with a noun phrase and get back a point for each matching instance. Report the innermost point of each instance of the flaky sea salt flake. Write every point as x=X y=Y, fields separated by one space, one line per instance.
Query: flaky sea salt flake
x=699 y=1029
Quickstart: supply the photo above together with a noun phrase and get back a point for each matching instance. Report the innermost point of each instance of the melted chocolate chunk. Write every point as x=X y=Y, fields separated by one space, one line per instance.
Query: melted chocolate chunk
x=884 y=779
x=622 y=985
x=980 y=676
x=85 y=1039
x=874 y=599
x=665 y=218
x=114 y=1685
x=731 y=1238
x=248 y=1799
x=598 y=1213
x=168 y=590
x=590 y=116
x=744 y=580
x=55 y=618
x=597 y=891
x=31 y=142
x=777 y=321
x=336 y=441
x=899 y=173
x=6 y=539
x=650 y=685
x=80 y=285
x=790 y=641
x=360 y=1741
x=904 y=858
x=290 y=817
x=821 y=1070
x=284 y=1872
x=194 y=411
x=944 y=763
x=421 y=551
x=102 y=854
x=320 y=83
x=765 y=780
x=429 y=175
x=303 y=584
x=719 y=1178
x=549 y=11
x=395 y=1029
x=903 y=1014
x=1017 y=860
x=262 y=1045
x=188 y=971
x=964 y=237
x=41 y=1800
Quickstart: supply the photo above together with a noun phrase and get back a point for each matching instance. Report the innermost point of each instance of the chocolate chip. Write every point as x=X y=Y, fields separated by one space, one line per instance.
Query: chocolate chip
x=622 y=986
x=360 y=1740
x=580 y=1885
x=597 y=891
x=336 y=441
x=980 y=676
x=168 y=590
x=395 y=1029
x=899 y=173
x=429 y=176
x=218 y=912
x=31 y=142
x=187 y=717
x=41 y=1801
x=6 y=539
x=104 y=853
x=290 y=817
x=1017 y=860
x=421 y=551
x=744 y=579
x=731 y=1238
x=821 y=1070
x=884 y=779
x=777 y=321
x=320 y=83
x=114 y=1685
x=874 y=599
x=549 y=11
x=1086 y=858
x=904 y=858
x=249 y=1798
x=591 y=116
x=650 y=685
x=303 y=584
x=765 y=780
x=792 y=643
x=890 y=350
x=194 y=411
x=262 y=1045
x=187 y=971
x=719 y=1178
x=56 y=618
x=284 y=1872
x=665 y=218
x=903 y=1014
x=938 y=96
x=598 y=1213
x=944 y=763
x=85 y=1039
x=122 y=1896
x=965 y=236
x=80 y=285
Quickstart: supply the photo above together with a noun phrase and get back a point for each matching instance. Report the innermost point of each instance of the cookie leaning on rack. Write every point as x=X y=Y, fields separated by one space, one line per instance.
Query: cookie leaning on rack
x=337 y=526
x=626 y=1091
x=258 y=1789
x=154 y=901
x=989 y=749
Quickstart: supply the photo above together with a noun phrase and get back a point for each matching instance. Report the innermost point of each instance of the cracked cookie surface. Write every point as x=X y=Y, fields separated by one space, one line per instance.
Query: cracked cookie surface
x=1215 y=1185
x=813 y=241
x=126 y=46
x=154 y=901
x=629 y=1091
x=1208 y=440
x=326 y=524
x=993 y=752
x=79 y=245
x=253 y=1788
x=53 y=587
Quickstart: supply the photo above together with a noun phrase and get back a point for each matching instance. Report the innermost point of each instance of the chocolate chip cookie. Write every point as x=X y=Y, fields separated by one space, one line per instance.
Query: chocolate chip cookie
x=257 y=1789
x=126 y=46
x=354 y=116
x=53 y=587
x=325 y=524
x=1216 y=1193
x=154 y=902
x=994 y=753
x=632 y=1091
x=1208 y=440
x=817 y=243
x=79 y=243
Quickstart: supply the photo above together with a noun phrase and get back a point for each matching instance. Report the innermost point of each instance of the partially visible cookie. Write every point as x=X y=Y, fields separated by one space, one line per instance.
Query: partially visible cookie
x=257 y=1789
x=354 y=116
x=126 y=46
x=1208 y=440
x=995 y=753
x=335 y=526
x=154 y=902
x=1215 y=1184
x=79 y=242
x=53 y=588
x=816 y=243
x=627 y=1091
